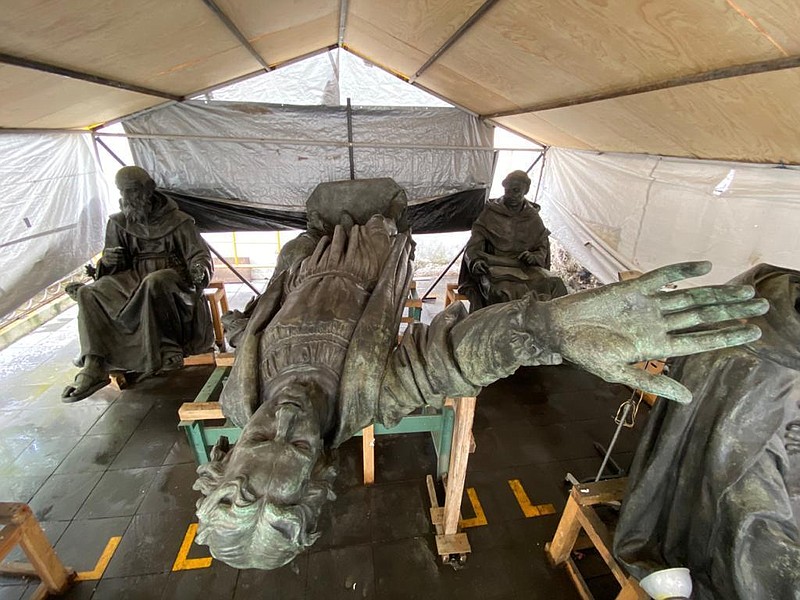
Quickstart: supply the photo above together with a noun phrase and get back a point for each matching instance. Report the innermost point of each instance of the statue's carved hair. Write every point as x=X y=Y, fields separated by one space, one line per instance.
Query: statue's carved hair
x=265 y=535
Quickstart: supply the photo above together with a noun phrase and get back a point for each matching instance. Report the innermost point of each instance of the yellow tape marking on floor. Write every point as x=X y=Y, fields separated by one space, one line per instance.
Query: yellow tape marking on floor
x=102 y=562
x=183 y=562
x=479 y=518
x=528 y=508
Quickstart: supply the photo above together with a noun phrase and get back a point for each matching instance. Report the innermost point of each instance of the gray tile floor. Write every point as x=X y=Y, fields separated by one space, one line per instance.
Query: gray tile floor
x=116 y=465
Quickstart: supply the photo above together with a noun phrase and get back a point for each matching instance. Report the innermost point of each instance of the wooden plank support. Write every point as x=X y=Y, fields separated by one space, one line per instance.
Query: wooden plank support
x=225 y=359
x=17 y=569
x=118 y=380
x=598 y=492
x=578 y=580
x=580 y=516
x=558 y=550
x=21 y=527
x=368 y=451
x=200 y=359
x=632 y=591
x=200 y=411
x=459 y=456
x=9 y=537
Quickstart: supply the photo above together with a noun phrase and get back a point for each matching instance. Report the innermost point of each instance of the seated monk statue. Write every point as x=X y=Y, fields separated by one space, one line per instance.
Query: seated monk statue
x=715 y=485
x=319 y=361
x=145 y=310
x=508 y=253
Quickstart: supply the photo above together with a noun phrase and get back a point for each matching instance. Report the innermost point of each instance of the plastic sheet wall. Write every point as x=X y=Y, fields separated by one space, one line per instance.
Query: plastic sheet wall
x=617 y=212
x=307 y=146
x=52 y=212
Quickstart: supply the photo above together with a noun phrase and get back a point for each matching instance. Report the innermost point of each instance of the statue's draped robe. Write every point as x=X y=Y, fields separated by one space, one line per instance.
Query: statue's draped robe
x=715 y=484
x=340 y=309
x=138 y=313
x=499 y=236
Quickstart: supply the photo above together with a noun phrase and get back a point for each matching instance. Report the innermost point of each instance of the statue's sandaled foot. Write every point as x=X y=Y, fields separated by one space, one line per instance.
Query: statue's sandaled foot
x=171 y=362
x=85 y=384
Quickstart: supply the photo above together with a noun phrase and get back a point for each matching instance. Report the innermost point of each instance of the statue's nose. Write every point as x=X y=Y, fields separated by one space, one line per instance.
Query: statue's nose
x=285 y=416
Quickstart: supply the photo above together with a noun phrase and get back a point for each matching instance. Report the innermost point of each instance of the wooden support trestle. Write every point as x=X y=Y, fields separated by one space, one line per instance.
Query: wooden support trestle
x=579 y=515
x=21 y=527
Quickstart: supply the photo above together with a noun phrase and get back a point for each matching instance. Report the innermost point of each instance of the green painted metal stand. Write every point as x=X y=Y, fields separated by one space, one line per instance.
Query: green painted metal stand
x=202 y=435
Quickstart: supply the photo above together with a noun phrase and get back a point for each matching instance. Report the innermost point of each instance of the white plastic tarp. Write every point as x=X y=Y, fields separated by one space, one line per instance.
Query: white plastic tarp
x=211 y=150
x=616 y=212
x=329 y=78
x=52 y=211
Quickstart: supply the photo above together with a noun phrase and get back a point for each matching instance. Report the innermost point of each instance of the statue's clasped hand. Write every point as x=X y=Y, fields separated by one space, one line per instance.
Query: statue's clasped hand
x=114 y=257
x=608 y=329
x=528 y=257
x=199 y=275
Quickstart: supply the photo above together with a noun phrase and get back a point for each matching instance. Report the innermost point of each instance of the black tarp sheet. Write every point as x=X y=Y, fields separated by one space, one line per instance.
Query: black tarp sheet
x=452 y=212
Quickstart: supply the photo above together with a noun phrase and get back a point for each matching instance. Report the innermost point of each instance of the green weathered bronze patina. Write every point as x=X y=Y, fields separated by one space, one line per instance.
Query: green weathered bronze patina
x=319 y=361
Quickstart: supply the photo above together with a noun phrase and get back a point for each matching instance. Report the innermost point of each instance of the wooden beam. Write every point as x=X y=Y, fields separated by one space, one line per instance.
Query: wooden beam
x=597 y=492
x=35 y=65
x=566 y=534
x=600 y=536
x=9 y=536
x=200 y=411
x=459 y=456
x=474 y=18
x=368 y=452
x=764 y=66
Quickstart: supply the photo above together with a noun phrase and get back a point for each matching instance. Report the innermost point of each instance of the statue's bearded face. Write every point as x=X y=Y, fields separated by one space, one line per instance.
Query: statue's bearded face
x=263 y=497
x=135 y=201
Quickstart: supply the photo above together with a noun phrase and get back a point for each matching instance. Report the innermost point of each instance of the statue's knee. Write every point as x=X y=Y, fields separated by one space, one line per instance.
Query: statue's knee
x=158 y=282
x=84 y=293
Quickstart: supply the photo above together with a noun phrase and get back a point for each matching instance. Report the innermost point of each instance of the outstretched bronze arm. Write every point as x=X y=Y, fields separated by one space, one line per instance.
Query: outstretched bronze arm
x=608 y=329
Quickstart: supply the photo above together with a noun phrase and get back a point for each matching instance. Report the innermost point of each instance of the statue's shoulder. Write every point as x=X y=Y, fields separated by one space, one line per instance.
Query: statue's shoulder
x=118 y=219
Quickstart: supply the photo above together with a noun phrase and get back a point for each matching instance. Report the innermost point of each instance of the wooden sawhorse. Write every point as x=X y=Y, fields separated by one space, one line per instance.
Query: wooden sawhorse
x=203 y=435
x=21 y=527
x=579 y=515
x=451 y=295
x=218 y=303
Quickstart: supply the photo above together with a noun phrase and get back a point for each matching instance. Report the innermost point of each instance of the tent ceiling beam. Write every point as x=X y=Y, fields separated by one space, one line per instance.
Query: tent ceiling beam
x=765 y=66
x=343 y=7
x=474 y=18
x=220 y=14
x=27 y=63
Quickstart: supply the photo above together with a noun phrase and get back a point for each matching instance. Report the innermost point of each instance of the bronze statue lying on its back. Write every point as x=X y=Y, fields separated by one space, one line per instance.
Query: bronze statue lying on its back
x=319 y=361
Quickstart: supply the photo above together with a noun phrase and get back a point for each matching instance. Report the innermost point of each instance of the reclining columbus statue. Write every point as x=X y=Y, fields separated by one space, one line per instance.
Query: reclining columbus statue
x=145 y=310
x=319 y=361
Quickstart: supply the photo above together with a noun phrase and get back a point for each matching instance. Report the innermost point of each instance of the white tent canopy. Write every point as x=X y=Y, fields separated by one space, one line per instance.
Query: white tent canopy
x=698 y=80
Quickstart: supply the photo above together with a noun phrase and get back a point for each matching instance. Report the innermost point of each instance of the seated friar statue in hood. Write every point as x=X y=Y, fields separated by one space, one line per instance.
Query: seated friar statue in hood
x=319 y=361
x=715 y=484
x=145 y=310
x=508 y=252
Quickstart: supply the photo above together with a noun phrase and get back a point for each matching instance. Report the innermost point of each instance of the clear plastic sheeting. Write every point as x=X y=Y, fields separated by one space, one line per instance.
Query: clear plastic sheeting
x=616 y=212
x=329 y=78
x=313 y=80
x=52 y=211
x=275 y=155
